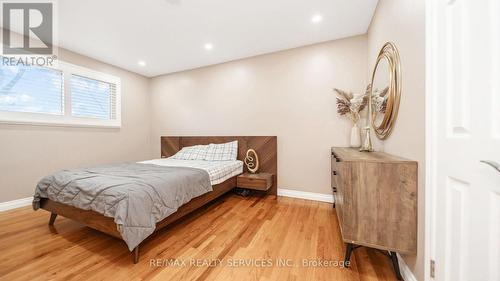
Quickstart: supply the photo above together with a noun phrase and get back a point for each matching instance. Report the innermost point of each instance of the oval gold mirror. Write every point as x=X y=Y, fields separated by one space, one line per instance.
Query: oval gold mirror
x=385 y=91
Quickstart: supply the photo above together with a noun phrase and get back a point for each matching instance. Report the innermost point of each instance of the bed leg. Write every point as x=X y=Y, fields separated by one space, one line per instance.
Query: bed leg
x=136 y=254
x=52 y=219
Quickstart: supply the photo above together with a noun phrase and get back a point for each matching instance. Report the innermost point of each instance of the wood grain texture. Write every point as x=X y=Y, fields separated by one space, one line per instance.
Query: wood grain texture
x=347 y=154
x=376 y=199
x=259 y=181
x=255 y=227
x=87 y=217
x=265 y=146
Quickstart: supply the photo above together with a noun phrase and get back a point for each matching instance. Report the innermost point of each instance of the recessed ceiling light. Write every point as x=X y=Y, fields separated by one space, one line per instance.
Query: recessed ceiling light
x=209 y=46
x=141 y=63
x=316 y=18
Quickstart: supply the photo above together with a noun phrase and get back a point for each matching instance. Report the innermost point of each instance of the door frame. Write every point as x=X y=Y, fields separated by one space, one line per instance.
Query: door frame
x=431 y=31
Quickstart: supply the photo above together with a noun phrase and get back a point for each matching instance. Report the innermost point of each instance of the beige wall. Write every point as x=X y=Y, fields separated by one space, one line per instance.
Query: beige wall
x=27 y=153
x=287 y=94
x=403 y=22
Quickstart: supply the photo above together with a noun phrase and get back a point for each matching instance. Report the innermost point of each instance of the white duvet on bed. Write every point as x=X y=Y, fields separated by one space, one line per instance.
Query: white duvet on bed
x=219 y=171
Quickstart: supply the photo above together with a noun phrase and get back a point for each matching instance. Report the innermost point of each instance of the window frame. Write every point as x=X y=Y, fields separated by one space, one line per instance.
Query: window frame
x=67 y=120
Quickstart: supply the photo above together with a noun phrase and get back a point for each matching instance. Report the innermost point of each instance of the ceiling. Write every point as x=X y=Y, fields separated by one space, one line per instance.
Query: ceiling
x=170 y=35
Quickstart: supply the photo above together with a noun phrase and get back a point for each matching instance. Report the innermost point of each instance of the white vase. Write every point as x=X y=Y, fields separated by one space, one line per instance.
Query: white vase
x=355 y=136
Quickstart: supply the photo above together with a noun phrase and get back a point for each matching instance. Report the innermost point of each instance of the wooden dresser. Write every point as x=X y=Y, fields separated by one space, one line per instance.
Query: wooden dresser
x=375 y=199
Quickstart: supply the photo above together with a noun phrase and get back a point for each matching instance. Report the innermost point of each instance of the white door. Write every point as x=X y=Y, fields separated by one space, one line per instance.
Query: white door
x=463 y=128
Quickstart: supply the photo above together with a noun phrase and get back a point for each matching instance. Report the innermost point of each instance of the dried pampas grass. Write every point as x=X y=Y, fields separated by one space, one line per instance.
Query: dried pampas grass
x=350 y=104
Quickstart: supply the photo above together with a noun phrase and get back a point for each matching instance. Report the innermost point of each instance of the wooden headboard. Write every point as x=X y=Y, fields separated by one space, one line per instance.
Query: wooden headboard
x=266 y=147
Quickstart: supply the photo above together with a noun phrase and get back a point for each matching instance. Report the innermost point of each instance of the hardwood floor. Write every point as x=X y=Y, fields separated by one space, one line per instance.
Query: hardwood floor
x=233 y=230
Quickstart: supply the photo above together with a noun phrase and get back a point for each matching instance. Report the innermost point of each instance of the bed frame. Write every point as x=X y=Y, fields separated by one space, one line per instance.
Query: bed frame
x=266 y=147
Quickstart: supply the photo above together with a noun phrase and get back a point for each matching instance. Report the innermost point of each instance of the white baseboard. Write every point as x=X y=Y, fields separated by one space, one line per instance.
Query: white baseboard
x=9 y=205
x=305 y=195
x=405 y=270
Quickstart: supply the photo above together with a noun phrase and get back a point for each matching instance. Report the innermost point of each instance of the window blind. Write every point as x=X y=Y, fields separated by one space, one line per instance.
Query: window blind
x=31 y=89
x=91 y=98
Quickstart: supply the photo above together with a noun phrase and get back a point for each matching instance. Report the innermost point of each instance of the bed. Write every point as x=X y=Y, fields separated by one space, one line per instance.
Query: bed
x=191 y=184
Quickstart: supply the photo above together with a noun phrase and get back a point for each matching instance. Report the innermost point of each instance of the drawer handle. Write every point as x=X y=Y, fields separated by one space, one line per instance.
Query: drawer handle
x=337 y=159
x=334 y=173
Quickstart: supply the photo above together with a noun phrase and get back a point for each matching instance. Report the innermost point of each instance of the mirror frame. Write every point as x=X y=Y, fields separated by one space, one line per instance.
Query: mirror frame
x=390 y=53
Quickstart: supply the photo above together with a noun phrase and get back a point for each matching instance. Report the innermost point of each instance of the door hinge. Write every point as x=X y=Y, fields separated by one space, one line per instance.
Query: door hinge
x=433 y=268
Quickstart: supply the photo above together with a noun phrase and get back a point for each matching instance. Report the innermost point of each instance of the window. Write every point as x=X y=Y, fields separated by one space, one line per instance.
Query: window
x=92 y=98
x=31 y=89
x=66 y=95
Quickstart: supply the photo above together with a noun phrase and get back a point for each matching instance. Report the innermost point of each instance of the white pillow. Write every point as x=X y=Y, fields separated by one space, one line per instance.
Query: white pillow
x=222 y=152
x=196 y=152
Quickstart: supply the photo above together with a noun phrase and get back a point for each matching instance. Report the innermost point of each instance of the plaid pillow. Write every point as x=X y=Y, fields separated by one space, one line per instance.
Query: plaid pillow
x=222 y=152
x=196 y=152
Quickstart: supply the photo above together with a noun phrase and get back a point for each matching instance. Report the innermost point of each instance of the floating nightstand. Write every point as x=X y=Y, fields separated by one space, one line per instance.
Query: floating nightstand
x=257 y=181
